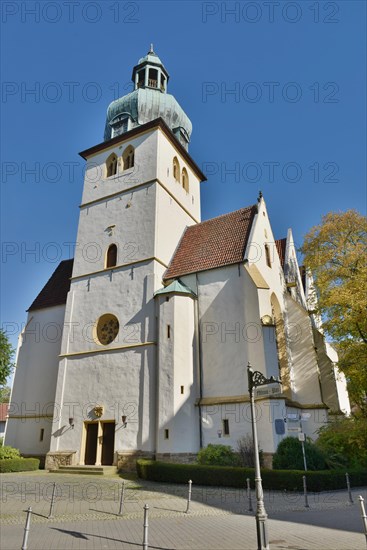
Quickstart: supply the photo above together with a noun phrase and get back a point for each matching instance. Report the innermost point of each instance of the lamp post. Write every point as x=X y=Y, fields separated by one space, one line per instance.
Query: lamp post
x=255 y=379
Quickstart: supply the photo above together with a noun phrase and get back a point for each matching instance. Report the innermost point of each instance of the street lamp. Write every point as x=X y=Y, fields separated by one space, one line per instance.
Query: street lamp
x=255 y=379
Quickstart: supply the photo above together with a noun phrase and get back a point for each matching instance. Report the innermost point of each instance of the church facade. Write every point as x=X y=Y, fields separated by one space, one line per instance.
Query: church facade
x=139 y=345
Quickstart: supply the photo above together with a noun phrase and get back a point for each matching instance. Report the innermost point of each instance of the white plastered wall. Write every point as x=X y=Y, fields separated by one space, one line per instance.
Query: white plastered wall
x=34 y=386
x=176 y=411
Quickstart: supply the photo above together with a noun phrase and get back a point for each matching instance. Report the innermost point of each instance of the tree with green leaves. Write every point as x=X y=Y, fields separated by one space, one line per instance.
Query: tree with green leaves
x=336 y=252
x=6 y=358
x=5 y=394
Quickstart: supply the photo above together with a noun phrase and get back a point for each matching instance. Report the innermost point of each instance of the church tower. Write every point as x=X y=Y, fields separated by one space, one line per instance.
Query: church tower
x=141 y=190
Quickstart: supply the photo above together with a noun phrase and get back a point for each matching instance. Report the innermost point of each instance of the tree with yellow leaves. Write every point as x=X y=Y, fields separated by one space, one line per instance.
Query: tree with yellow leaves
x=336 y=253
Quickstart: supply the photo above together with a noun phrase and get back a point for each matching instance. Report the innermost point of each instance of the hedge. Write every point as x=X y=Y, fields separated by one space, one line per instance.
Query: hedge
x=19 y=465
x=225 y=476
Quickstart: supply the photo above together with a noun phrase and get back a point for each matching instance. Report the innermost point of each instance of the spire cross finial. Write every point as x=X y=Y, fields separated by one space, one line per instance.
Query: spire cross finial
x=151 y=48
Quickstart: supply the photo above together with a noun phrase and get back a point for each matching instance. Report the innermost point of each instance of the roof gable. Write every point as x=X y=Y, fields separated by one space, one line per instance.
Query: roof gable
x=214 y=243
x=55 y=291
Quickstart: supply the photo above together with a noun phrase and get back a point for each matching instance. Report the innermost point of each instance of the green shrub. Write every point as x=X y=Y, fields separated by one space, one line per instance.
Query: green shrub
x=289 y=455
x=344 y=443
x=218 y=455
x=1 y=441
x=245 y=449
x=19 y=465
x=224 y=476
x=7 y=452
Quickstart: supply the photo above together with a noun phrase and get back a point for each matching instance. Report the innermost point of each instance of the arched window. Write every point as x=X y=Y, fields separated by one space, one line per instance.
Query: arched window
x=176 y=169
x=128 y=157
x=111 y=256
x=111 y=165
x=185 y=180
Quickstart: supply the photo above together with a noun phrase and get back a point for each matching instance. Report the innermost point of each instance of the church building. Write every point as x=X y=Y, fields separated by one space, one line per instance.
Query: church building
x=139 y=345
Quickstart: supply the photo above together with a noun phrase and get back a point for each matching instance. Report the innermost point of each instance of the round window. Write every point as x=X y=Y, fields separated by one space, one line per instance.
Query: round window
x=107 y=329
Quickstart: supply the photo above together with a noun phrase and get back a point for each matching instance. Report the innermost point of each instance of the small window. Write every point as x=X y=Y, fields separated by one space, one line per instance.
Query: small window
x=185 y=180
x=267 y=255
x=182 y=390
x=153 y=78
x=111 y=256
x=176 y=169
x=168 y=331
x=111 y=165
x=167 y=298
x=166 y=434
x=226 y=426
x=128 y=157
x=42 y=433
x=141 y=78
x=163 y=83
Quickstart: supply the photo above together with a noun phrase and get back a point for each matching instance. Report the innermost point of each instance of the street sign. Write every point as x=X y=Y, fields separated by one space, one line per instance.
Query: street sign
x=289 y=429
x=301 y=437
x=293 y=417
x=266 y=391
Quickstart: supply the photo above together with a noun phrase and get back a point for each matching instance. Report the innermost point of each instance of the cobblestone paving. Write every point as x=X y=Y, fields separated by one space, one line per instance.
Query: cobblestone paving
x=86 y=515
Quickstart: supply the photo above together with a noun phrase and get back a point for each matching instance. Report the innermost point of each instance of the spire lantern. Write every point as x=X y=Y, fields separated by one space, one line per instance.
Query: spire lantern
x=150 y=73
x=148 y=101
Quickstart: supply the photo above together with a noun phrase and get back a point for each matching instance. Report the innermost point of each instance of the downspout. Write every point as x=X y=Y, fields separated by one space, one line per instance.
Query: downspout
x=199 y=359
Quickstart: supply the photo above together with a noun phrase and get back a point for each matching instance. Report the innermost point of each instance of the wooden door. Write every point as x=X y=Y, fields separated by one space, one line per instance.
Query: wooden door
x=91 y=444
x=108 y=443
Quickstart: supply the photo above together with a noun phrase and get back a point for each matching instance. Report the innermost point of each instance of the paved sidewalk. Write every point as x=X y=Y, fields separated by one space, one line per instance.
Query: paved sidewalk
x=86 y=516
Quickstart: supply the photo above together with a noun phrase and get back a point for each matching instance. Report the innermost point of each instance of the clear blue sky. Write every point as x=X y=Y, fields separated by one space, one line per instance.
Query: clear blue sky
x=297 y=72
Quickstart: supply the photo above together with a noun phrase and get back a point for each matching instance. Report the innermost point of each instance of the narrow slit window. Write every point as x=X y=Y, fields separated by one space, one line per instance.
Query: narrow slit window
x=267 y=255
x=42 y=433
x=225 y=426
x=166 y=434
x=168 y=331
x=182 y=390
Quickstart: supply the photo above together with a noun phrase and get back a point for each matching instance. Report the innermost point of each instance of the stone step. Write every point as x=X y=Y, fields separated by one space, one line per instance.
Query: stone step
x=87 y=470
x=80 y=472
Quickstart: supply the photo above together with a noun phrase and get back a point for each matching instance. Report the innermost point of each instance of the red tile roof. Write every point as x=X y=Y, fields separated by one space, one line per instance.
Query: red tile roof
x=55 y=291
x=214 y=243
x=281 y=246
x=3 y=411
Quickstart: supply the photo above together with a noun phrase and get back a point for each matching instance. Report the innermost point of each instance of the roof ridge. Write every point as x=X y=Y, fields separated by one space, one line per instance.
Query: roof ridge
x=211 y=245
x=222 y=216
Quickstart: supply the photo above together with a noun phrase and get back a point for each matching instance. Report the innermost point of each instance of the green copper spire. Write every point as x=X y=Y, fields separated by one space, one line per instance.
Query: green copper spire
x=149 y=100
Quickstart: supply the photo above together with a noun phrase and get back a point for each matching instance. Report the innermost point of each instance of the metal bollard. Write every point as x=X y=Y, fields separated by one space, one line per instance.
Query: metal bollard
x=250 y=508
x=50 y=515
x=146 y=525
x=305 y=491
x=26 y=529
x=348 y=487
x=189 y=498
x=121 y=509
x=363 y=514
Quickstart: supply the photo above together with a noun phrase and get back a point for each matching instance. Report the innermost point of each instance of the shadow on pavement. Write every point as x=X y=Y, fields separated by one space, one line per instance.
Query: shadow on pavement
x=347 y=519
x=87 y=536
